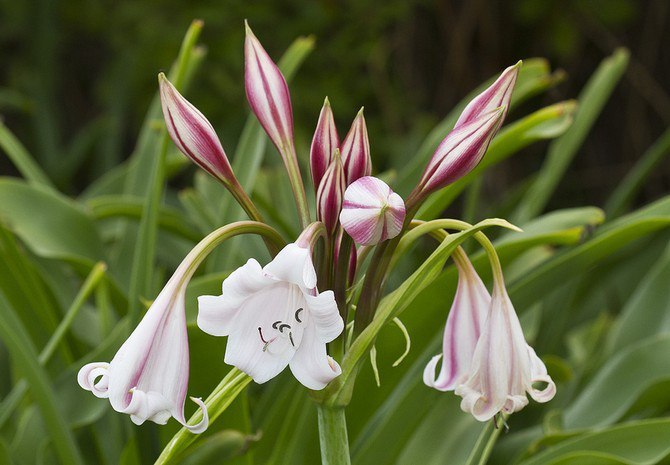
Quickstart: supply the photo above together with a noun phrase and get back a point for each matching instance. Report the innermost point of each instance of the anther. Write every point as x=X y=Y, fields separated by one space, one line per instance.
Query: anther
x=297 y=315
x=281 y=327
x=290 y=337
x=260 y=332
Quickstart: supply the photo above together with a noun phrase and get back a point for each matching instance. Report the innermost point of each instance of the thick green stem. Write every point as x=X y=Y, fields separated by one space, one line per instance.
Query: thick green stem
x=291 y=162
x=333 y=436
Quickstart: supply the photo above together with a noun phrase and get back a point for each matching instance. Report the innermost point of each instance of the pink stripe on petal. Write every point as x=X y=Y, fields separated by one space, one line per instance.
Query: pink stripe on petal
x=499 y=94
x=371 y=211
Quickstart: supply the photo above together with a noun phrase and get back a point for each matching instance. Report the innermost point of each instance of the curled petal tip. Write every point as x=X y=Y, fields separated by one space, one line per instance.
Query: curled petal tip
x=202 y=425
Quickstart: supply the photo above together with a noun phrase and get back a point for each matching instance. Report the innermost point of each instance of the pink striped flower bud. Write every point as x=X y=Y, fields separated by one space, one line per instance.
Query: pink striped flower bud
x=330 y=193
x=499 y=94
x=324 y=143
x=466 y=144
x=193 y=134
x=267 y=93
x=356 y=150
x=460 y=151
x=372 y=212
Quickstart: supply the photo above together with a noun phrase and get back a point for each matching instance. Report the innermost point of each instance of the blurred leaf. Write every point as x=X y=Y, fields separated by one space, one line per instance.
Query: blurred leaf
x=25 y=356
x=20 y=157
x=627 y=189
x=592 y=100
x=636 y=443
x=619 y=383
x=50 y=224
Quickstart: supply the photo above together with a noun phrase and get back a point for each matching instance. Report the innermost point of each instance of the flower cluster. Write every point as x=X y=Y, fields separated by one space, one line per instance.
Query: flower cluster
x=275 y=316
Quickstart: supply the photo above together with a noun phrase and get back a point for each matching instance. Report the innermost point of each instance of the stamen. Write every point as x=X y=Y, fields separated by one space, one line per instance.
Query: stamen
x=297 y=315
x=260 y=332
x=290 y=337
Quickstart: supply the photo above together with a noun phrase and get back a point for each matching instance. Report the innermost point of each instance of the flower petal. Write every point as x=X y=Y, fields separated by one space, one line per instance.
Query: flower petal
x=293 y=264
x=254 y=345
x=216 y=314
x=87 y=378
x=538 y=374
x=311 y=365
x=323 y=312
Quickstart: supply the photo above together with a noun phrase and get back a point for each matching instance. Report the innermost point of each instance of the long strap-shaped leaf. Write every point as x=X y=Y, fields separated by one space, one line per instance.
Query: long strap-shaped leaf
x=23 y=352
x=592 y=100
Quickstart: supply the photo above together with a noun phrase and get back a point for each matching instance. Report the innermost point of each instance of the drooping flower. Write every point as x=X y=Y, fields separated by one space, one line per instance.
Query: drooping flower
x=193 y=134
x=356 y=150
x=324 y=144
x=464 y=147
x=268 y=94
x=148 y=376
x=494 y=372
x=330 y=194
x=273 y=317
x=461 y=333
x=372 y=212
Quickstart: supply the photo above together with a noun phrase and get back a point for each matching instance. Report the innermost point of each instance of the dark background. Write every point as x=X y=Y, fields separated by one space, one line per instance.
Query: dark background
x=76 y=77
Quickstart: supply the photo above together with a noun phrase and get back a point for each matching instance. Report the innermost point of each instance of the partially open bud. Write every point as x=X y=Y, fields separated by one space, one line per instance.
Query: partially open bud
x=267 y=93
x=372 y=212
x=460 y=151
x=324 y=143
x=330 y=193
x=498 y=94
x=356 y=150
x=193 y=134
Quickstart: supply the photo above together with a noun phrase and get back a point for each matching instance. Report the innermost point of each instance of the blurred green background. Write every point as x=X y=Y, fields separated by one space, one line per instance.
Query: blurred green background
x=76 y=77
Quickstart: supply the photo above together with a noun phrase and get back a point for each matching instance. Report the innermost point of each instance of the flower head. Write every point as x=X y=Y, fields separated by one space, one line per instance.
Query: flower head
x=148 y=376
x=324 y=144
x=372 y=212
x=193 y=134
x=486 y=359
x=273 y=317
x=356 y=150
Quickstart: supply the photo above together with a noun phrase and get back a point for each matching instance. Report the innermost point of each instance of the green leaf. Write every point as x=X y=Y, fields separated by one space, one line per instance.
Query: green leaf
x=647 y=312
x=635 y=443
x=592 y=100
x=23 y=161
x=25 y=356
x=50 y=224
x=619 y=383
x=626 y=190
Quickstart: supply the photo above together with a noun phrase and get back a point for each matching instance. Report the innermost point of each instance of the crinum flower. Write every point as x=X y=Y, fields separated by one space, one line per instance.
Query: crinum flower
x=273 y=317
x=486 y=359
